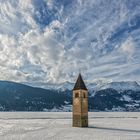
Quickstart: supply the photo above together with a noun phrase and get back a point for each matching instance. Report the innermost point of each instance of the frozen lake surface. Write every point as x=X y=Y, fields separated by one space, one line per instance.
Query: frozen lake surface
x=58 y=126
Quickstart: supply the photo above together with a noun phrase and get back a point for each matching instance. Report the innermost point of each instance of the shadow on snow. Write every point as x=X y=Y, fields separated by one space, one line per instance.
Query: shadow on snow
x=114 y=129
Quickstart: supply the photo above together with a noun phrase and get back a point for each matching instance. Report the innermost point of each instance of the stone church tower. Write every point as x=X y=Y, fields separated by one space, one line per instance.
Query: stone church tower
x=80 y=104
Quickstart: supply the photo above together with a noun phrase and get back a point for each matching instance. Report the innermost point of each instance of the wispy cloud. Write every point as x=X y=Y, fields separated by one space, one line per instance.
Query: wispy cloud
x=50 y=41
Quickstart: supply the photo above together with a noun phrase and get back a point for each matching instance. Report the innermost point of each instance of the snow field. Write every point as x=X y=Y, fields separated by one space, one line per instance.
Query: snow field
x=57 y=126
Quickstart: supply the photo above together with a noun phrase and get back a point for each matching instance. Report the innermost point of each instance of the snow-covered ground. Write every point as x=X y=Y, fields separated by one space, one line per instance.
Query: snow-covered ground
x=57 y=126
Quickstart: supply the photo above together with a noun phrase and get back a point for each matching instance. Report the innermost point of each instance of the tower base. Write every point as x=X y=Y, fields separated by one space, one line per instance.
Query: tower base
x=80 y=121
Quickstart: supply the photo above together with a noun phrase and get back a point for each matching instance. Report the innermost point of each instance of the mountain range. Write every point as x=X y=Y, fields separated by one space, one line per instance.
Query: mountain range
x=114 y=96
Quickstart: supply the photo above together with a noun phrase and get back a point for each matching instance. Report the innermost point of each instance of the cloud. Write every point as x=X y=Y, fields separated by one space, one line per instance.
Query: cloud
x=50 y=41
x=128 y=48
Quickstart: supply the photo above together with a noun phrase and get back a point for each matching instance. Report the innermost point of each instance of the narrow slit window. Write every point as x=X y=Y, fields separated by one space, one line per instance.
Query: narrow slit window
x=84 y=95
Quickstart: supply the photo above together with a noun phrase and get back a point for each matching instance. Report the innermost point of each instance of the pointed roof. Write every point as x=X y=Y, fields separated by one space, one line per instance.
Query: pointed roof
x=79 y=83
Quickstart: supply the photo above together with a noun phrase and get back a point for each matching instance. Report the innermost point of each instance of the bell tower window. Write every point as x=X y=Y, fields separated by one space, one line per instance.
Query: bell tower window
x=76 y=95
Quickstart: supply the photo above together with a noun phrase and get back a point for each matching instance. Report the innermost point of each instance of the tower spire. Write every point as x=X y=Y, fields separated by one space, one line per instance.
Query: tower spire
x=80 y=83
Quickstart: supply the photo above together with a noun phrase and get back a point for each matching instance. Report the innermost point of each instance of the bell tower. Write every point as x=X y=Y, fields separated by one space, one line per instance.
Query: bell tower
x=80 y=104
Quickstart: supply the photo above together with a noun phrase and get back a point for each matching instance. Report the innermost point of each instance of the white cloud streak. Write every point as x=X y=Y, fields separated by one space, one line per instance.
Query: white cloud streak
x=77 y=40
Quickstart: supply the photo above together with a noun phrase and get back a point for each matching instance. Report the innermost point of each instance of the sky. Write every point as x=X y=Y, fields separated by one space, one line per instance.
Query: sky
x=51 y=41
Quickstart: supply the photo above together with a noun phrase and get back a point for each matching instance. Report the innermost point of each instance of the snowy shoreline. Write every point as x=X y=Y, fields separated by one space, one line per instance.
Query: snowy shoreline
x=65 y=115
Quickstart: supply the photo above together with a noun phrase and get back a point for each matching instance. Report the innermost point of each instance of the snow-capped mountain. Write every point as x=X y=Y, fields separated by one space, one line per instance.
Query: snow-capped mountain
x=119 y=86
x=20 y=97
x=50 y=86
x=62 y=87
